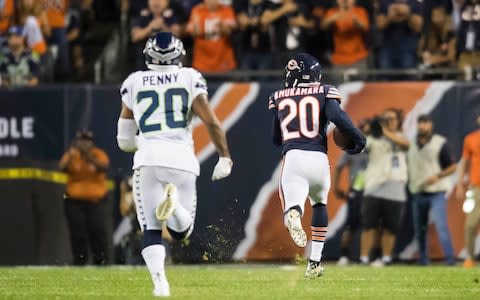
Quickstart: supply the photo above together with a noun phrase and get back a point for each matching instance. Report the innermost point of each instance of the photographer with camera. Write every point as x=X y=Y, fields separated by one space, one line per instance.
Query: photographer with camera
x=86 y=206
x=385 y=184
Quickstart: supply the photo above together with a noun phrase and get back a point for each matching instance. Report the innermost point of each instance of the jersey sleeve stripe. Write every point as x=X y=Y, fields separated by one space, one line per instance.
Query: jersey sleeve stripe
x=334 y=96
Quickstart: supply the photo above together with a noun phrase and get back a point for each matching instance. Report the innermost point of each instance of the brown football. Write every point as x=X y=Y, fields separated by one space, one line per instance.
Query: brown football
x=341 y=139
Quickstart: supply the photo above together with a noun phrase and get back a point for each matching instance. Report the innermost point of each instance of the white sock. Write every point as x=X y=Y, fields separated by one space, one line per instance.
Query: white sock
x=154 y=257
x=316 y=252
x=364 y=259
x=181 y=219
x=387 y=259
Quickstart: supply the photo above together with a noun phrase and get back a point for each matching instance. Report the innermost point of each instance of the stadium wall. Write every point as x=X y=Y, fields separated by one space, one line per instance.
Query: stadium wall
x=238 y=218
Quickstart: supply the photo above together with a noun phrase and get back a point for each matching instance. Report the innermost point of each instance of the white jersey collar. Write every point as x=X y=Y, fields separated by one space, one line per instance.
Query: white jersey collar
x=163 y=68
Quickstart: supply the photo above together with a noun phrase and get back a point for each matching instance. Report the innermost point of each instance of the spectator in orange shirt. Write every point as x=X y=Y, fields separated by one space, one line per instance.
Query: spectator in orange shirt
x=86 y=207
x=211 y=25
x=6 y=14
x=470 y=164
x=349 y=24
x=56 y=15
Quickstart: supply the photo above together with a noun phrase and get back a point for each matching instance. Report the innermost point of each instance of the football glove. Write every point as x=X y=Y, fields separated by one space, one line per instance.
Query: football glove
x=222 y=169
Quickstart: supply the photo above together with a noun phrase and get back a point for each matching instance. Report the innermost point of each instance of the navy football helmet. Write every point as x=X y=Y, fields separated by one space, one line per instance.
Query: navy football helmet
x=301 y=68
x=163 y=48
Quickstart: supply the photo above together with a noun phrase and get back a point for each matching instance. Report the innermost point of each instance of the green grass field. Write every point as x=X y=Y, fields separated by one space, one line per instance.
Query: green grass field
x=242 y=282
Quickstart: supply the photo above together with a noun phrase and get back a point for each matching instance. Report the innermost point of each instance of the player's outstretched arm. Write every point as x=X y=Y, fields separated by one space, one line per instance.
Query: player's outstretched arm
x=340 y=118
x=203 y=110
x=127 y=130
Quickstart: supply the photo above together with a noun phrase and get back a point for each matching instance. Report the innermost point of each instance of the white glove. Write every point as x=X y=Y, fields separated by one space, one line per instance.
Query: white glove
x=222 y=169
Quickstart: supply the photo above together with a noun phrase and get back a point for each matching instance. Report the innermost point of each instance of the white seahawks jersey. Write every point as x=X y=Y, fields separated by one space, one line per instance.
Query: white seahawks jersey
x=161 y=102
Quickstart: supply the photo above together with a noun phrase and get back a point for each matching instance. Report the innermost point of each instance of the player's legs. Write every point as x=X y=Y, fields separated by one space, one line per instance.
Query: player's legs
x=471 y=225
x=147 y=193
x=293 y=192
x=420 y=211
x=370 y=224
x=318 y=175
x=392 y=212
x=97 y=218
x=352 y=226
x=77 y=225
x=439 y=214
x=319 y=234
x=180 y=188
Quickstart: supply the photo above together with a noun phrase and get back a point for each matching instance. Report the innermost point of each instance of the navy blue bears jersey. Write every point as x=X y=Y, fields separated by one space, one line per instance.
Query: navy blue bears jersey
x=302 y=115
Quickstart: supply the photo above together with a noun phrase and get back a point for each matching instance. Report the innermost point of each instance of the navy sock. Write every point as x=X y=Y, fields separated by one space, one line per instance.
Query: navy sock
x=319 y=231
x=152 y=237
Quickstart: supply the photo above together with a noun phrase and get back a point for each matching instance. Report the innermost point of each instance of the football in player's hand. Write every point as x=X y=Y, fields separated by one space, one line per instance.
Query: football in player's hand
x=341 y=139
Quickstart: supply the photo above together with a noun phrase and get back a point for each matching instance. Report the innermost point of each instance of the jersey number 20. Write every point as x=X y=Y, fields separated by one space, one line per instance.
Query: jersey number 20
x=168 y=98
x=304 y=116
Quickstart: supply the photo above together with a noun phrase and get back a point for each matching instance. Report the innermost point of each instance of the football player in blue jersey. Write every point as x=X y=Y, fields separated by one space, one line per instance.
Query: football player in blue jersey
x=302 y=111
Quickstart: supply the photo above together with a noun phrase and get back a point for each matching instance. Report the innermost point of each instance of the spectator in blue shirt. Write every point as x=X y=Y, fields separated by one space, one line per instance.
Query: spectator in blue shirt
x=162 y=15
x=400 y=23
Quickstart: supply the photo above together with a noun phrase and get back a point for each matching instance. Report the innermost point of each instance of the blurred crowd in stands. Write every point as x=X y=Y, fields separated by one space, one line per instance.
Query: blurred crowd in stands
x=43 y=40
x=223 y=35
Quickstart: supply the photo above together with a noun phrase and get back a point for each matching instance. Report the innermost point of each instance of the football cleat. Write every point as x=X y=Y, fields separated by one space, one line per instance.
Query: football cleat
x=161 y=286
x=166 y=208
x=314 y=269
x=294 y=226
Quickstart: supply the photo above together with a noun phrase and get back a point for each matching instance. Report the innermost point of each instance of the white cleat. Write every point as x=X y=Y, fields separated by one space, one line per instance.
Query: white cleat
x=294 y=226
x=343 y=261
x=162 y=288
x=167 y=207
x=314 y=269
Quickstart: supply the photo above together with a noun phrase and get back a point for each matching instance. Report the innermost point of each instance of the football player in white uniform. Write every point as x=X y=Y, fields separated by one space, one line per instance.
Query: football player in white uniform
x=159 y=104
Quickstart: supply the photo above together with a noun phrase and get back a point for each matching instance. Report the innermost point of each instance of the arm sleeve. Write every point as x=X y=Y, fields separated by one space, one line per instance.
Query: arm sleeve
x=276 y=131
x=363 y=16
x=445 y=157
x=102 y=157
x=272 y=104
x=199 y=84
x=126 y=92
x=195 y=13
x=334 y=113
